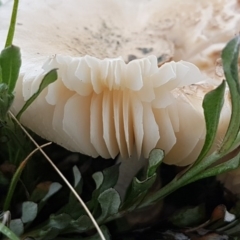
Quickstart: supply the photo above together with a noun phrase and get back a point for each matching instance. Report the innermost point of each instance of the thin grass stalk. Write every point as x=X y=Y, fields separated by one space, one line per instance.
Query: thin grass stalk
x=11 y=29
x=63 y=178
x=16 y=177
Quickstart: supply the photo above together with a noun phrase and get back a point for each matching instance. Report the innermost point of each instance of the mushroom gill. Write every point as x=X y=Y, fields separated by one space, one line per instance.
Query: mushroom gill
x=106 y=107
x=111 y=96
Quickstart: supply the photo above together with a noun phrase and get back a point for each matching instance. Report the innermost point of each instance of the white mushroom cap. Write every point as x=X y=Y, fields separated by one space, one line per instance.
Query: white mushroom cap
x=103 y=105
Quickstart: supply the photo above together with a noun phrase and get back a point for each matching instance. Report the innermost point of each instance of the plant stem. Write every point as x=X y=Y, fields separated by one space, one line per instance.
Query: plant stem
x=11 y=29
x=177 y=182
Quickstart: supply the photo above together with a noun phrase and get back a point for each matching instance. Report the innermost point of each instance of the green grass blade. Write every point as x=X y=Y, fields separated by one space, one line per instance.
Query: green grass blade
x=1 y=79
x=49 y=78
x=212 y=105
x=10 y=63
x=16 y=178
x=230 y=65
x=11 y=29
x=8 y=233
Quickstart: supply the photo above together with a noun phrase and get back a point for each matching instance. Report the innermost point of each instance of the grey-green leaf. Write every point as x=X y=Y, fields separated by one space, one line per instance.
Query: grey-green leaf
x=98 y=179
x=155 y=159
x=110 y=202
x=54 y=187
x=16 y=225
x=83 y=223
x=10 y=63
x=77 y=176
x=49 y=78
x=29 y=211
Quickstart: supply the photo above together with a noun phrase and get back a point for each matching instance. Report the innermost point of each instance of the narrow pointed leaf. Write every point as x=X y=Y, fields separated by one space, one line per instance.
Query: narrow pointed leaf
x=230 y=65
x=219 y=169
x=49 y=78
x=212 y=105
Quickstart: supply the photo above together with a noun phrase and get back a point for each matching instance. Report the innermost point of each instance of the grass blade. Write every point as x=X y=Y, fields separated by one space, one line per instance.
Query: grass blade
x=8 y=233
x=16 y=177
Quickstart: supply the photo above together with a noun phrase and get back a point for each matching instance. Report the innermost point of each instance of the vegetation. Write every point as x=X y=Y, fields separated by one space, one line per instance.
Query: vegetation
x=37 y=203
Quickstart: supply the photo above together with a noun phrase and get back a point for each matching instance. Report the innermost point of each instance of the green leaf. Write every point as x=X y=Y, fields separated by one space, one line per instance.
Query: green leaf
x=219 y=169
x=49 y=78
x=110 y=202
x=44 y=191
x=54 y=227
x=48 y=233
x=60 y=221
x=29 y=211
x=73 y=208
x=77 y=186
x=138 y=189
x=41 y=195
x=82 y=224
x=54 y=187
x=10 y=62
x=212 y=105
x=1 y=78
x=97 y=237
x=230 y=65
x=77 y=176
x=110 y=177
x=98 y=179
x=17 y=227
x=155 y=159
x=189 y=217
x=105 y=180
x=6 y=100
x=8 y=233
x=231 y=229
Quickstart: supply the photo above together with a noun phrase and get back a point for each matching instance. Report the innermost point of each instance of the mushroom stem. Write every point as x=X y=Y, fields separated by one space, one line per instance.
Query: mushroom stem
x=128 y=169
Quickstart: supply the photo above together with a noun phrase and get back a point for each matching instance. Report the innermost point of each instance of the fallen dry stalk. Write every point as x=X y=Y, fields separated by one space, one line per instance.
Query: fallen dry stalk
x=62 y=176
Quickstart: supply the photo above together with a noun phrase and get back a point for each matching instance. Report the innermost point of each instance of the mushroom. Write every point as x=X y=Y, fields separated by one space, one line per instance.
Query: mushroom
x=118 y=92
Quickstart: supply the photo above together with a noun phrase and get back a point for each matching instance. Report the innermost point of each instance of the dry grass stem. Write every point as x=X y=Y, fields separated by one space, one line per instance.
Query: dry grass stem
x=62 y=176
